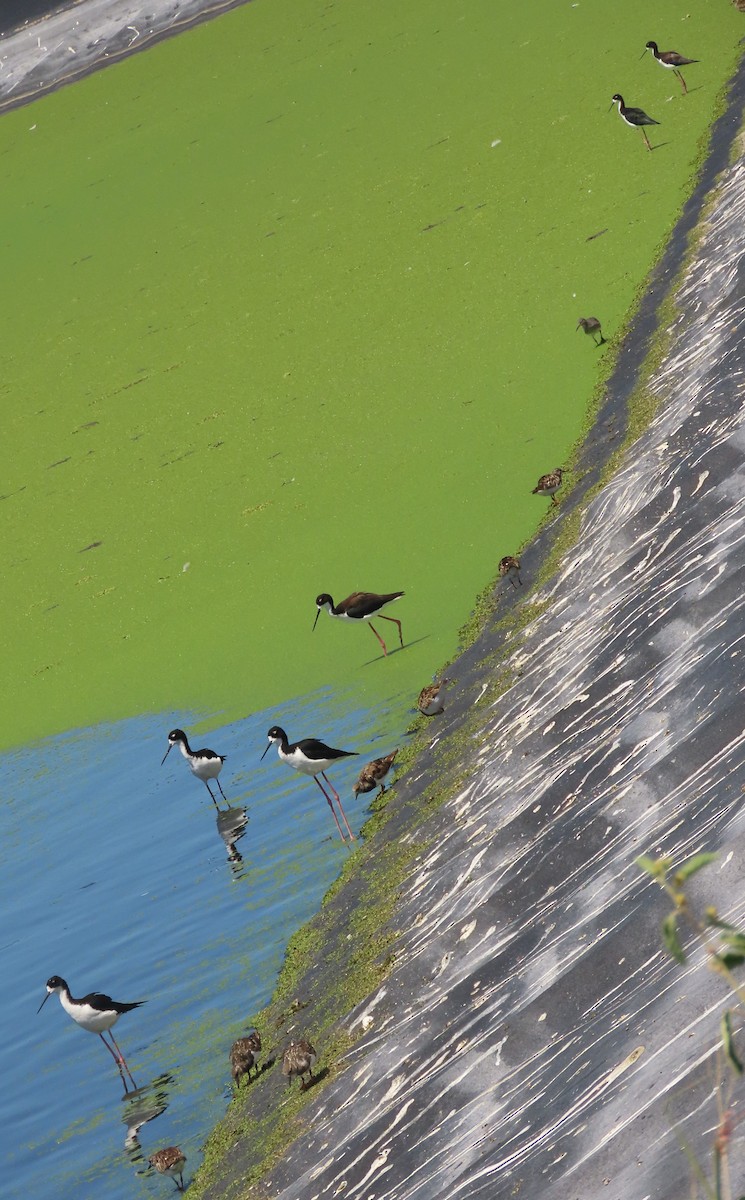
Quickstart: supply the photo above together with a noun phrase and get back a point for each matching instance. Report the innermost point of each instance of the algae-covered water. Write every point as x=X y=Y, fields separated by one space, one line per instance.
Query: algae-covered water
x=293 y=310
x=294 y=307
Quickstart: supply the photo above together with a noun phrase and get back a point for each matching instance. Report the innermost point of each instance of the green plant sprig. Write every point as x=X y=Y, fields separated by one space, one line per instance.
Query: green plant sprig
x=723 y=942
x=725 y=948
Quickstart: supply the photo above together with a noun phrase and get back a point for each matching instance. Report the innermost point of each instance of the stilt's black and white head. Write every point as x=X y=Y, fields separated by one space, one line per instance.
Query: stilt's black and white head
x=322 y=601
x=617 y=100
x=55 y=983
x=275 y=735
x=174 y=737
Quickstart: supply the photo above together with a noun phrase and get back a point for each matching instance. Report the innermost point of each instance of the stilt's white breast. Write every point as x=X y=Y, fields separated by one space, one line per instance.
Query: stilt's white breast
x=206 y=768
x=307 y=766
x=203 y=768
x=89 y=1018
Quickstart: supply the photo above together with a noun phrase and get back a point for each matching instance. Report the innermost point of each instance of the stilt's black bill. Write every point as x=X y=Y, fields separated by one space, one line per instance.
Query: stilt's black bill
x=165 y=756
x=267 y=747
x=43 y=1003
x=318 y=613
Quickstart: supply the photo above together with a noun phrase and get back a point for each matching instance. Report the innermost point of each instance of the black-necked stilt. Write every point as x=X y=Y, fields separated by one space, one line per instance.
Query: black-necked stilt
x=312 y=757
x=96 y=1013
x=243 y=1056
x=205 y=764
x=430 y=702
x=170 y=1161
x=591 y=326
x=635 y=117
x=509 y=568
x=671 y=60
x=373 y=774
x=298 y=1059
x=549 y=484
x=361 y=606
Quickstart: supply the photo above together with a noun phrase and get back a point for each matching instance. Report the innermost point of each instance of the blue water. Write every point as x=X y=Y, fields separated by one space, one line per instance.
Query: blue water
x=116 y=877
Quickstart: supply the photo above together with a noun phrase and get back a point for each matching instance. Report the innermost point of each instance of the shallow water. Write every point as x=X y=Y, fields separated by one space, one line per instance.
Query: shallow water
x=117 y=878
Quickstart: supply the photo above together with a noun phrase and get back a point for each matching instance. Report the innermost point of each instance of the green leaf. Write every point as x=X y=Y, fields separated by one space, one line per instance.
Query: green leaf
x=713 y=919
x=670 y=937
x=730 y=960
x=656 y=867
x=736 y=941
x=692 y=866
x=645 y=863
x=728 y=1043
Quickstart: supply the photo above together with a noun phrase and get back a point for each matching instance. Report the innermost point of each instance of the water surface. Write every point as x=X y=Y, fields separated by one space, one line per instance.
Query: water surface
x=117 y=877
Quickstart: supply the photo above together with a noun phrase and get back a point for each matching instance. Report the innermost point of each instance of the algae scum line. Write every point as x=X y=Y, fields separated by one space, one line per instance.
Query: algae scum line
x=522 y=1030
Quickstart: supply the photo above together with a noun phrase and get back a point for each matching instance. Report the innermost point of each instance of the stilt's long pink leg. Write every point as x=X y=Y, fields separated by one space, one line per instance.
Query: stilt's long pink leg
x=341 y=806
x=111 y=1051
x=330 y=803
x=395 y=622
x=117 y=1061
x=121 y=1059
x=378 y=637
x=212 y=797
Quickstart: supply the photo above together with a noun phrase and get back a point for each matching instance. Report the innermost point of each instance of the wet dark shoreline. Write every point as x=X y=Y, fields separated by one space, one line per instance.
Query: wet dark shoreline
x=14 y=14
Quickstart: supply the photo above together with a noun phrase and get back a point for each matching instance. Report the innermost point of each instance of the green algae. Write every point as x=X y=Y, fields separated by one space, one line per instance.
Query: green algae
x=268 y=1130
x=307 y=269
x=356 y=936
